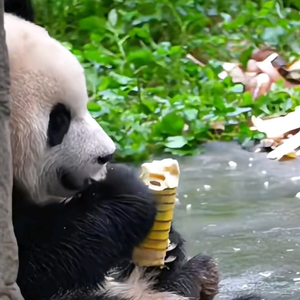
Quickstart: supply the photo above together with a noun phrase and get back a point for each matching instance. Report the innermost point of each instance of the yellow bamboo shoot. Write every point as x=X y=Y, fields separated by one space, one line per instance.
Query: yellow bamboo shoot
x=162 y=177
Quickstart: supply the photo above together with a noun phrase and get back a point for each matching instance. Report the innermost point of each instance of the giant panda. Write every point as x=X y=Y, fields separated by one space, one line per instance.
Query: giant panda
x=77 y=217
x=74 y=218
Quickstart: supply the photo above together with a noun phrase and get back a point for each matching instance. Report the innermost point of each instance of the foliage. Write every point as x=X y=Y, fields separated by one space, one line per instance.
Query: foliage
x=145 y=91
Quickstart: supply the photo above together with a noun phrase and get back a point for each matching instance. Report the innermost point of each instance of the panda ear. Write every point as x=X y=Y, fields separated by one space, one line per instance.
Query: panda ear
x=59 y=123
x=21 y=8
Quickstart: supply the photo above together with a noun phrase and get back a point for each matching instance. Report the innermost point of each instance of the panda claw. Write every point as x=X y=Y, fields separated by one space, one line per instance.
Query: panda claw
x=170 y=259
x=171 y=247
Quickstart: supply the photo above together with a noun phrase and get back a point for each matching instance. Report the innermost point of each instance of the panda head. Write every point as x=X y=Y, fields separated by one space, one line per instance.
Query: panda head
x=58 y=148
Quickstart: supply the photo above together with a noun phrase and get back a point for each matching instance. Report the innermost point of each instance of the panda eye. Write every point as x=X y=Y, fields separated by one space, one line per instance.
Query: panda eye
x=59 y=123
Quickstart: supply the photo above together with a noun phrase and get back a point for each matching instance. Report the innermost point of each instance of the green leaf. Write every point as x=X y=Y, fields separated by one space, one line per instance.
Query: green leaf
x=191 y=114
x=176 y=142
x=124 y=80
x=239 y=111
x=113 y=17
x=238 y=88
x=94 y=107
x=247 y=100
x=172 y=124
x=91 y=23
x=272 y=35
x=140 y=57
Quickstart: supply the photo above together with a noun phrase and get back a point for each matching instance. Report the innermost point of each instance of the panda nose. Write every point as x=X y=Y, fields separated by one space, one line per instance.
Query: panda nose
x=104 y=159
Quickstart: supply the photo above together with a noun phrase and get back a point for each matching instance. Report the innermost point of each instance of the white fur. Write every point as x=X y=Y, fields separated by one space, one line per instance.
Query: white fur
x=44 y=73
x=136 y=288
x=31 y=49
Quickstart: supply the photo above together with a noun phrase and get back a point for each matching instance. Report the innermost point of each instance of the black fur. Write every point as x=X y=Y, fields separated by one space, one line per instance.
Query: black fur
x=196 y=278
x=21 y=8
x=65 y=250
x=71 y=246
x=59 y=123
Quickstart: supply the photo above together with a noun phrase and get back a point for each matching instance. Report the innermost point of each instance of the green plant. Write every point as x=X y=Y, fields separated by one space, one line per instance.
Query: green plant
x=145 y=92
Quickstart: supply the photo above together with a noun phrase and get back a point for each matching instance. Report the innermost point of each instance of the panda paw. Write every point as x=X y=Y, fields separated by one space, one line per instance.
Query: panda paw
x=203 y=275
x=208 y=275
x=197 y=278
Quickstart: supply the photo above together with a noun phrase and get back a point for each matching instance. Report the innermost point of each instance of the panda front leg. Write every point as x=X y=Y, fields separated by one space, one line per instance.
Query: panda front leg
x=67 y=248
x=197 y=278
x=192 y=279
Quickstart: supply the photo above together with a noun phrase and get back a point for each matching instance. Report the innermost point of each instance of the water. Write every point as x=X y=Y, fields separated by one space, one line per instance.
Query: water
x=251 y=226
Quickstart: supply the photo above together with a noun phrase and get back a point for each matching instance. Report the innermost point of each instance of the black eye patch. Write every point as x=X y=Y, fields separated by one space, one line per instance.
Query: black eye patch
x=59 y=123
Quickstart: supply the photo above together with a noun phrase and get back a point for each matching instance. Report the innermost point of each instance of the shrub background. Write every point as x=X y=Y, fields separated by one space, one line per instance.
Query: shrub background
x=143 y=89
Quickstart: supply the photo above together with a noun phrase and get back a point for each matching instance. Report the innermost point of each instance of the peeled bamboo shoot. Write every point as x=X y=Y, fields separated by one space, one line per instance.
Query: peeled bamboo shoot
x=162 y=177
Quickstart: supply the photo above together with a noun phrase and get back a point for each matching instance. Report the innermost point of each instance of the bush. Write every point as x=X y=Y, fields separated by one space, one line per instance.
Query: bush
x=145 y=92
